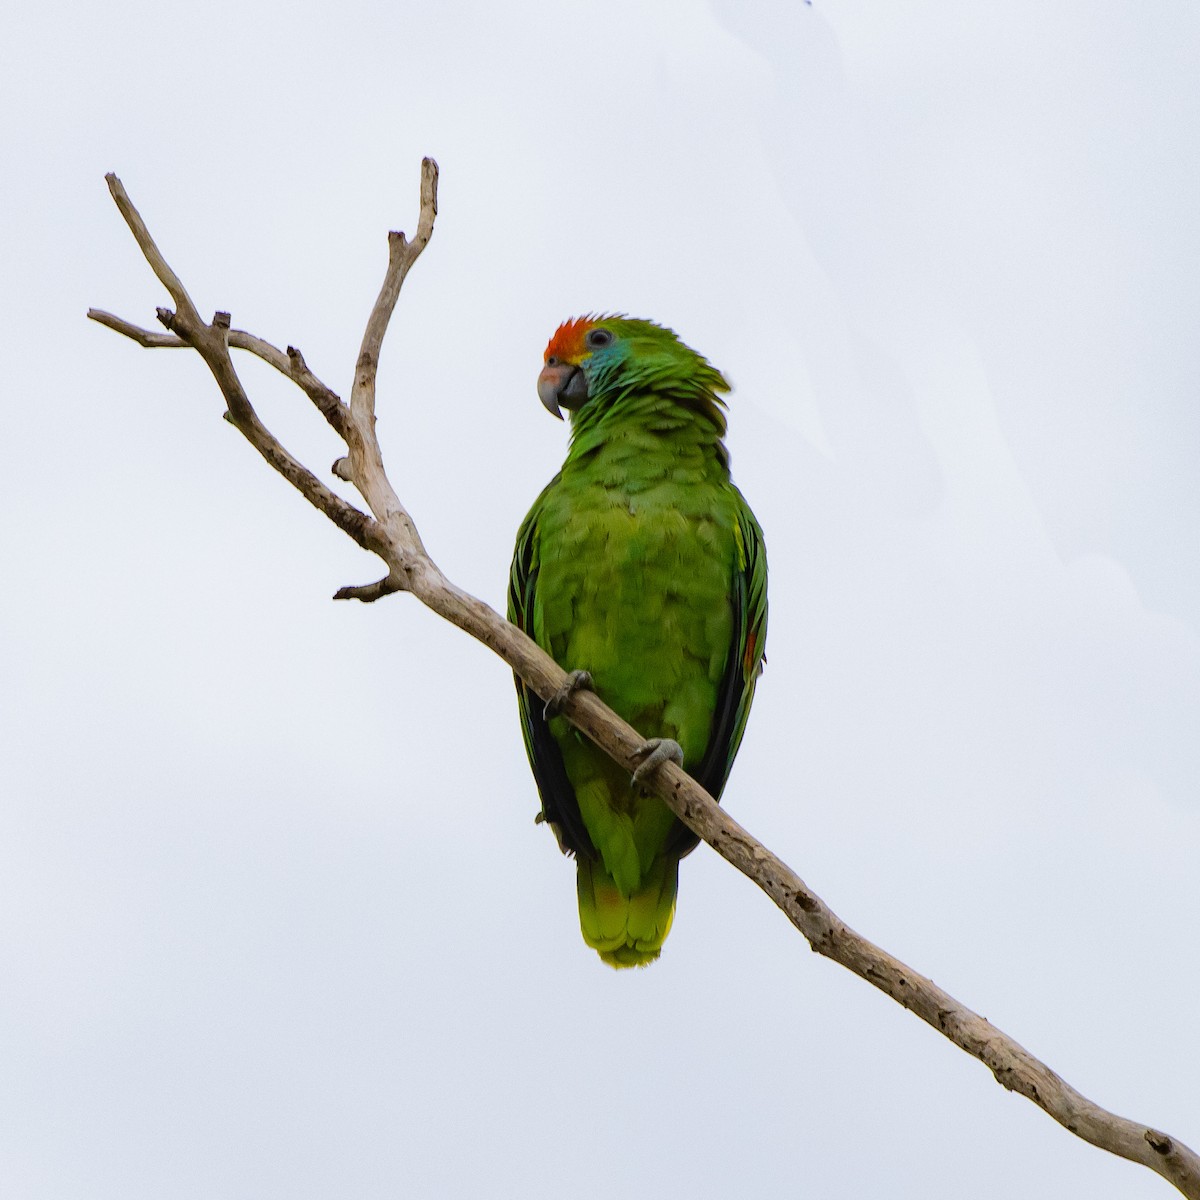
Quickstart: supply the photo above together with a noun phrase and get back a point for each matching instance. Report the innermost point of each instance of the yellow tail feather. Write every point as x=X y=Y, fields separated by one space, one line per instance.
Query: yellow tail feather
x=627 y=930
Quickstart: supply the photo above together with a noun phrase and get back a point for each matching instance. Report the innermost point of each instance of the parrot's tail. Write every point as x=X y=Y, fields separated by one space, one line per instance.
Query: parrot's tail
x=627 y=930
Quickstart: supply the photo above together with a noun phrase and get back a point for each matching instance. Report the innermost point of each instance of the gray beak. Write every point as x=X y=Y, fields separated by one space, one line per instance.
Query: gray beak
x=561 y=385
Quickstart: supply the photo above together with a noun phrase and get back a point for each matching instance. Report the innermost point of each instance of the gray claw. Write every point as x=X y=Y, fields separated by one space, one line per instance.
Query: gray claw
x=576 y=681
x=655 y=751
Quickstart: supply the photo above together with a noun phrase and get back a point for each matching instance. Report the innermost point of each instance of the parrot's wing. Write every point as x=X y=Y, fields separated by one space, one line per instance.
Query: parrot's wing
x=748 y=594
x=560 y=809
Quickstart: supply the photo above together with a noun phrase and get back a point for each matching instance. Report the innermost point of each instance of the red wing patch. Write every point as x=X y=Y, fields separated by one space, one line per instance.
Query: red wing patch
x=748 y=657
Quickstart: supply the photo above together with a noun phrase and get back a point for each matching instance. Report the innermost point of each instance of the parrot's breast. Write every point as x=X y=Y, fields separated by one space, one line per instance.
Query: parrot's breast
x=634 y=586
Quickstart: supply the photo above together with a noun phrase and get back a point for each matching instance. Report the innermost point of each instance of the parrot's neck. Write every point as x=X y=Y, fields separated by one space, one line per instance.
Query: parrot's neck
x=651 y=425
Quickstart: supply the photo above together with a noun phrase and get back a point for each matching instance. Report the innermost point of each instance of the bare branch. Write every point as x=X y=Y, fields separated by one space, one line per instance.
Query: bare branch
x=144 y=337
x=291 y=364
x=365 y=466
x=212 y=343
x=370 y=592
x=393 y=536
x=401 y=256
x=151 y=252
x=328 y=402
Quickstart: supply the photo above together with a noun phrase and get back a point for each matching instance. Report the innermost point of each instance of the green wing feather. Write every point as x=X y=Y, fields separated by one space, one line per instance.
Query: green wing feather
x=745 y=663
x=560 y=809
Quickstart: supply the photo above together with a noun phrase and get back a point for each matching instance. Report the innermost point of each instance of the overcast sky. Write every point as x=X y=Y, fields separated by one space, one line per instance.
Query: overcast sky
x=275 y=919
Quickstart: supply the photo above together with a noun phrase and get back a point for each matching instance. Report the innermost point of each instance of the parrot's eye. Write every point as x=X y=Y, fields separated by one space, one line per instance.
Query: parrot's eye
x=598 y=337
x=552 y=361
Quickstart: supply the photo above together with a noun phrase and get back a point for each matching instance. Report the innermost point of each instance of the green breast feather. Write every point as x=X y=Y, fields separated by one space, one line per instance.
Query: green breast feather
x=642 y=564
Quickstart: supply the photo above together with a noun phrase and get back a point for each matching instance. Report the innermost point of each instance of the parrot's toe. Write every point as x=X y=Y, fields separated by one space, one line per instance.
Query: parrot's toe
x=576 y=681
x=655 y=752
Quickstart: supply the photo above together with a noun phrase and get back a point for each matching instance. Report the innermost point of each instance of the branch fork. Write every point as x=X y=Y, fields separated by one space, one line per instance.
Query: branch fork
x=387 y=530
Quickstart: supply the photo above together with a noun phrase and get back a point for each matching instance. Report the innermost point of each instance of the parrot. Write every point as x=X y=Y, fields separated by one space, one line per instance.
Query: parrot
x=641 y=570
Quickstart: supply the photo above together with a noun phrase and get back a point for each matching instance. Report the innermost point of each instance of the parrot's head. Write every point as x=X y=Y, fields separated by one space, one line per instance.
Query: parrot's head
x=597 y=358
x=563 y=382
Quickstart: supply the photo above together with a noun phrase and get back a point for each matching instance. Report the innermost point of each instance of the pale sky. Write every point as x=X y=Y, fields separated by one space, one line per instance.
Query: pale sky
x=275 y=920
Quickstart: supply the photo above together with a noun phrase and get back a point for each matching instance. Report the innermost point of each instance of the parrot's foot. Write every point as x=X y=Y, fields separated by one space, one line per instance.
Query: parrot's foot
x=576 y=681
x=655 y=752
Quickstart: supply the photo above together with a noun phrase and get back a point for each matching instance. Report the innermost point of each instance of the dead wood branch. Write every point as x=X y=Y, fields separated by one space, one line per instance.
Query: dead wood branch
x=389 y=532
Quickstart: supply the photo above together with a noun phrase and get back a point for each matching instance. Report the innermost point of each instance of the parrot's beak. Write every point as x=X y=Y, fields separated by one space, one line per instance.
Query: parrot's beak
x=561 y=385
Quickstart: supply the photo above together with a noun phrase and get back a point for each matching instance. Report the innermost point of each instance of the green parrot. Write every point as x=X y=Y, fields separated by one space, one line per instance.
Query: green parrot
x=641 y=570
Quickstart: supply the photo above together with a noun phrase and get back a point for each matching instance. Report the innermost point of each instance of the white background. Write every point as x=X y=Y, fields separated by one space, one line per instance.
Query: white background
x=275 y=917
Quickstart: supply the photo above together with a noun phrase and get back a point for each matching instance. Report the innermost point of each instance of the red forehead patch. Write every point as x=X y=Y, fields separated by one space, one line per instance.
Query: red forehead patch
x=567 y=342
